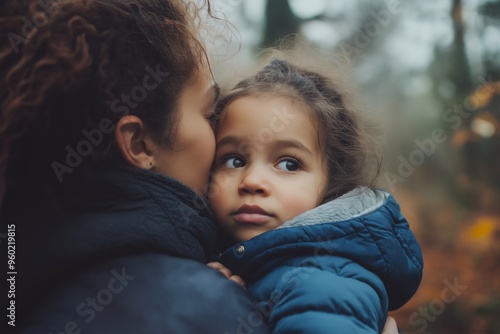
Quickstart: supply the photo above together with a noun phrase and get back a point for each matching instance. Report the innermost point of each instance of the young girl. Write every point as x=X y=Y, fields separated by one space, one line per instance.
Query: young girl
x=319 y=250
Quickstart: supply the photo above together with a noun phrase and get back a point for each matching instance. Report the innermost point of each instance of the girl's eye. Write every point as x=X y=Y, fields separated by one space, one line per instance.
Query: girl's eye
x=233 y=162
x=289 y=165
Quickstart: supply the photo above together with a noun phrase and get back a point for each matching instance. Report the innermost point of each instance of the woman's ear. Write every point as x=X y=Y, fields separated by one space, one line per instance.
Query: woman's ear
x=133 y=142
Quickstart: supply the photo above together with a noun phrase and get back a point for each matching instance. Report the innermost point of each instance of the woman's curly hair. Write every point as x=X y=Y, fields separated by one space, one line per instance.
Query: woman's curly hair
x=74 y=66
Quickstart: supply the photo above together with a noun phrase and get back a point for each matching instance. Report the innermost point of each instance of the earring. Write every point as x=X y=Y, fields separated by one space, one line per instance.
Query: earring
x=150 y=164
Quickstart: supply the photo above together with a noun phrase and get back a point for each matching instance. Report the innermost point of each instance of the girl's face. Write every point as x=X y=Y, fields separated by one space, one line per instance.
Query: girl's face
x=268 y=166
x=190 y=158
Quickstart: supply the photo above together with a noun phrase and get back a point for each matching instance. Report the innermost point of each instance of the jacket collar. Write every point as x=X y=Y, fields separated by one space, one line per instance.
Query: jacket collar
x=124 y=207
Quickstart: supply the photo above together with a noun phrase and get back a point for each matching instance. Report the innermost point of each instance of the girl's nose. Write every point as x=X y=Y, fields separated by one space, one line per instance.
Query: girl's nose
x=254 y=183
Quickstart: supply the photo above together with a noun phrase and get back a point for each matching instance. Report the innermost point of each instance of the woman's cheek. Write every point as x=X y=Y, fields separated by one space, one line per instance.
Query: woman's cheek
x=220 y=182
x=206 y=152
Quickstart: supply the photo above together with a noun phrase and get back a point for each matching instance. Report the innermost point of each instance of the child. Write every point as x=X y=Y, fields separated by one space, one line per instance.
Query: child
x=319 y=250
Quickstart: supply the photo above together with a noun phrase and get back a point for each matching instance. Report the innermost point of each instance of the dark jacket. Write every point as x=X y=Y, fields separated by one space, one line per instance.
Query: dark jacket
x=335 y=269
x=124 y=252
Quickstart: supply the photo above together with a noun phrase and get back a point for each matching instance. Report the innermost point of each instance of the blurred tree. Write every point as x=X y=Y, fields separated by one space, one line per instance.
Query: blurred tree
x=280 y=22
x=468 y=116
x=450 y=66
x=480 y=153
x=490 y=9
x=460 y=74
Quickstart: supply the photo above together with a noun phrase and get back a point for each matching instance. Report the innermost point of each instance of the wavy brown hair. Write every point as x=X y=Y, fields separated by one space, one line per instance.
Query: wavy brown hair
x=68 y=66
x=350 y=153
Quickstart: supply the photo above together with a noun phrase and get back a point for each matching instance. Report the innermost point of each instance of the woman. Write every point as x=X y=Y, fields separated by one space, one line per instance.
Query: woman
x=101 y=247
x=106 y=146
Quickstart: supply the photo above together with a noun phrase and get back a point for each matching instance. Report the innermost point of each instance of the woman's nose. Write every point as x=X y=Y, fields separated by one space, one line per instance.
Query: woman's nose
x=254 y=182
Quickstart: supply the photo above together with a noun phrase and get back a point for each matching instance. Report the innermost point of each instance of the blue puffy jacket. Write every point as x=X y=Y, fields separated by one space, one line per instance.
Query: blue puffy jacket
x=335 y=269
x=123 y=252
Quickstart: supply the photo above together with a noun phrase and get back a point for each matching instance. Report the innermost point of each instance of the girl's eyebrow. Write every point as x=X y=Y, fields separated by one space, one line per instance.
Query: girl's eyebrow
x=276 y=144
x=291 y=143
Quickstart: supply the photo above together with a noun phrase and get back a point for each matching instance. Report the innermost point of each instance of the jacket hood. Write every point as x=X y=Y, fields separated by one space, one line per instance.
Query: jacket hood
x=363 y=225
x=355 y=203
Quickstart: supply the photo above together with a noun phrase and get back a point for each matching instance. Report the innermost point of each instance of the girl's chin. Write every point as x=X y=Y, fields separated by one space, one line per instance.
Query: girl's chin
x=247 y=235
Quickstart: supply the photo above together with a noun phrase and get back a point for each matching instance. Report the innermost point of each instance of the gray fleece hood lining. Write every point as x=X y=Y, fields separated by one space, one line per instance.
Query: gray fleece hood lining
x=355 y=203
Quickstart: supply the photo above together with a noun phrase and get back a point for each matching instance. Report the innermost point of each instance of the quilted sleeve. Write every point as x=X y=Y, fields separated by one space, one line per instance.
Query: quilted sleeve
x=311 y=300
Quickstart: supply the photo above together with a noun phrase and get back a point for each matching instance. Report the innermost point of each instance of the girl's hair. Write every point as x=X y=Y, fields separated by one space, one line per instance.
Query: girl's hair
x=349 y=153
x=72 y=69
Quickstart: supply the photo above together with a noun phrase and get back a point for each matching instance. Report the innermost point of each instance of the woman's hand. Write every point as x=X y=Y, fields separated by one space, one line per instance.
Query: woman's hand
x=226 y=272
x=390 y=326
